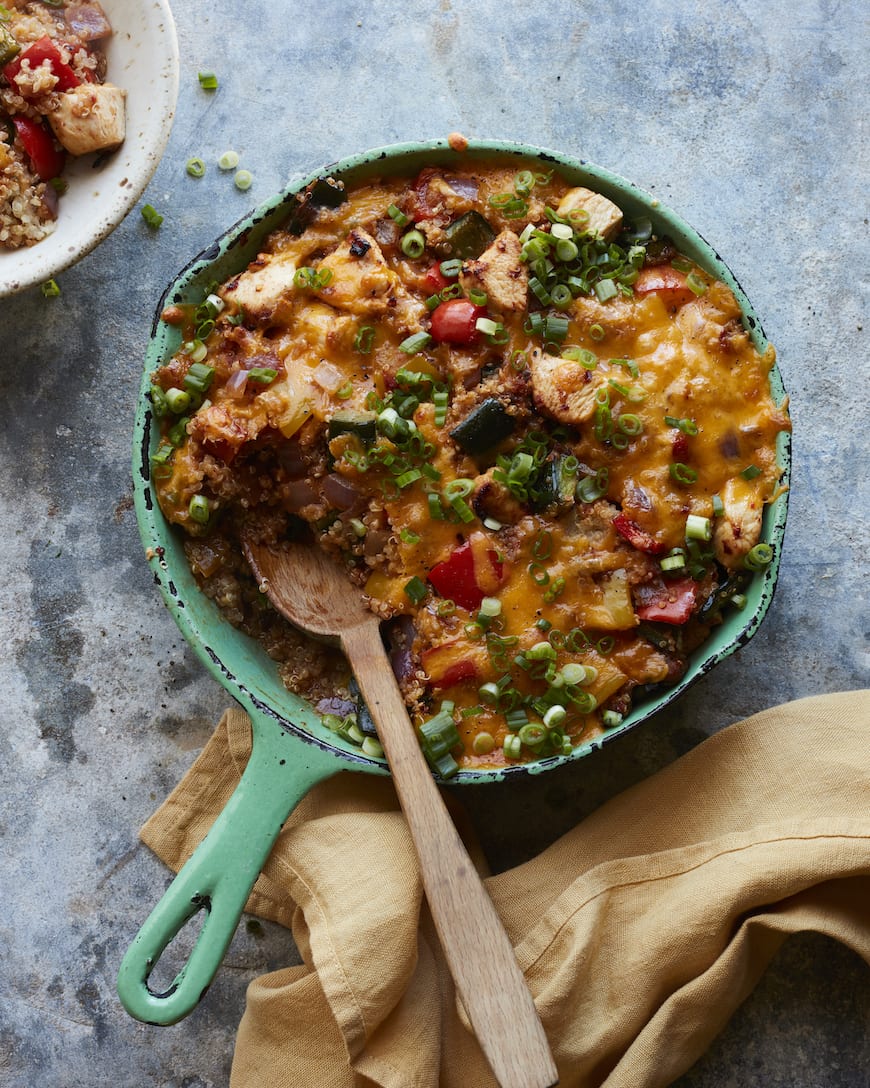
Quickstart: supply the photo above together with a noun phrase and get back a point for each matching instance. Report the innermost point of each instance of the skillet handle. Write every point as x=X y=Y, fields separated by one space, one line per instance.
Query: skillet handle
x=218 y=878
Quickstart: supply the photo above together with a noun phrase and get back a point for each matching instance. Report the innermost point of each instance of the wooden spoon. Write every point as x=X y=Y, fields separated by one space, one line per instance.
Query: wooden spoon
x=314 y=594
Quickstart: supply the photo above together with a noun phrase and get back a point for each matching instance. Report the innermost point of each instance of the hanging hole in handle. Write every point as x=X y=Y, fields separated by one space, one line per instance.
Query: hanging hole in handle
x=164 y=976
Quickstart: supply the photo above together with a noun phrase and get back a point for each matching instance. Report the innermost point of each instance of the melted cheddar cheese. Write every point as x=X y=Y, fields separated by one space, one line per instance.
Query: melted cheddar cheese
x=542 y=438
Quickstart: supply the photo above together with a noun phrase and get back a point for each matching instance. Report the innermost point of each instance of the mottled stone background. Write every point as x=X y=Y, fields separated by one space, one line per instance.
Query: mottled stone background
x=748 y=118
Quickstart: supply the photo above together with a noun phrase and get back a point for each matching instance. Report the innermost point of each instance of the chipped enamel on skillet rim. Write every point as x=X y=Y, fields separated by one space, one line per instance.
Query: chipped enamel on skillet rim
x=234 y=659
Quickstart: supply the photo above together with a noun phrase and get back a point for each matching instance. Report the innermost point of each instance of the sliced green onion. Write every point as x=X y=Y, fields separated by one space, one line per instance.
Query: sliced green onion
x=483 y=743
x=718 y=507
x=605 y=290
x=440 y=399
x=243 y=180
x=458 y=488
x=673 y=562
x=751 y=472
x=533 y=734
x=358 y=527
x=695 y=284
x=199 y=509
x=555 y=716
x=50 y=289
x=407 y=478
x=177 y=433
x=436 y=510
x=364 y=339
x=758 y=557
x=415 y=589
x=477 y=298
x=512 y=746
x=346 y=391
x=152 y=217
x=541 y=651
x=416 y=342
x=739 y=601
x=597 y=332
x=610 y=719
x=524 y=182
x=413 y=244
x=561 y=296
x=228 y=161
x=177 y=400
x=198 y=377
x=450 y=269
x=630 y=424
x=372 y=747
x=208 y=81
x=263 y=375
x=398 y=216
x=683 y=474
x=195 y=167
x=687 y=426
x=698 y=528
x=407 y=536
x=462 y=508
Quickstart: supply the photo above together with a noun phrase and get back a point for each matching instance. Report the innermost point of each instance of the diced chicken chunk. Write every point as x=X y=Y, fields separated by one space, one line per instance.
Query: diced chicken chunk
x=605 y=218
x=562 y=388
x=89 y=118
x=260 y=290
x=321 y=330
x=500 y=273
x=739 y=527
x=362 y=281
x=491 y=499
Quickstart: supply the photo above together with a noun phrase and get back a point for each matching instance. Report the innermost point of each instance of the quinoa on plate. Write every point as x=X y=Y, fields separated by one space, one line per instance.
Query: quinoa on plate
x=54 y=102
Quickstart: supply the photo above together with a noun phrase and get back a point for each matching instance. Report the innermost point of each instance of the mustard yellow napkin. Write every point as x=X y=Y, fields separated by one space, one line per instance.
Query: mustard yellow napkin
x=639 y=932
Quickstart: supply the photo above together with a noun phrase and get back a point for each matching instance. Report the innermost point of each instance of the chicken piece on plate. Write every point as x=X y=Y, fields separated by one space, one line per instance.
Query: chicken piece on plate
x=500 y=273
x=89 y=118
x=562 y=388
x=604 y=216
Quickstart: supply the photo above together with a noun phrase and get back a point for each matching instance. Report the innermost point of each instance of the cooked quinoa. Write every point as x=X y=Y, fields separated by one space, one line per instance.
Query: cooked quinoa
x=536 y=436
x=54 y=102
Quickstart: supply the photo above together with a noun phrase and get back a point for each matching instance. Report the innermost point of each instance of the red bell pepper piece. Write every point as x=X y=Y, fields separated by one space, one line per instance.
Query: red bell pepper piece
x=44 y=157
x=455 y=577
x=666 y=282
x=449 y=664
x=422 y=209
x=40 y=51
x=435 y=278
x=669 y=602
x=680 y=447
x=637 y=537
x=455 y=322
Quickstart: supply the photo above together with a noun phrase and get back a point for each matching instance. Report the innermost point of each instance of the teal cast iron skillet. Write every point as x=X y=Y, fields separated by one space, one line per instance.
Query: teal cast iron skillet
x=292 y=750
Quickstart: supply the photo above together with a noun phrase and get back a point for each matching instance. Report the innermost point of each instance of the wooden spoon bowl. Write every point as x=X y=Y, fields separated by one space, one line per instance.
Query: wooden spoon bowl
x=314 y=594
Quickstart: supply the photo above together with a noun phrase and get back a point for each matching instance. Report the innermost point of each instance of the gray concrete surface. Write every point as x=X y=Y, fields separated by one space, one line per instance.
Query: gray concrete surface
x=748 y=119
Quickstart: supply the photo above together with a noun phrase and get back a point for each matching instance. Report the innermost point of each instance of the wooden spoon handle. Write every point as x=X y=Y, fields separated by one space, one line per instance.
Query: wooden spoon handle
x=477 y=948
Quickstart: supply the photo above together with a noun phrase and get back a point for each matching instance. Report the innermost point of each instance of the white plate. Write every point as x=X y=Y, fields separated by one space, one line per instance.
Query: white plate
x=143 y=58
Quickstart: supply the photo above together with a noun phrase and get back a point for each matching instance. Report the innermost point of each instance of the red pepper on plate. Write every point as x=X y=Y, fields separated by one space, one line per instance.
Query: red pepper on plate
x=46 y=159
x=40 y=51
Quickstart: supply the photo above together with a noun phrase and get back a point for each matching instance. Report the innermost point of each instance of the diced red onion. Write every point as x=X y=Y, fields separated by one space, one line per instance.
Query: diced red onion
x=467 y=187
x=87 y=21
x=298 y=493
x=400 y=634
x=339 y=493
x=376 y=541
x=291 y=459
x=50 y=201
x=328 y=377
x=236 y=383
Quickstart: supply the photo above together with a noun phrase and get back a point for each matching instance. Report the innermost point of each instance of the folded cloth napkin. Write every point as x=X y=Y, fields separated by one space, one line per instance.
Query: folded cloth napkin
x=639 y=932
